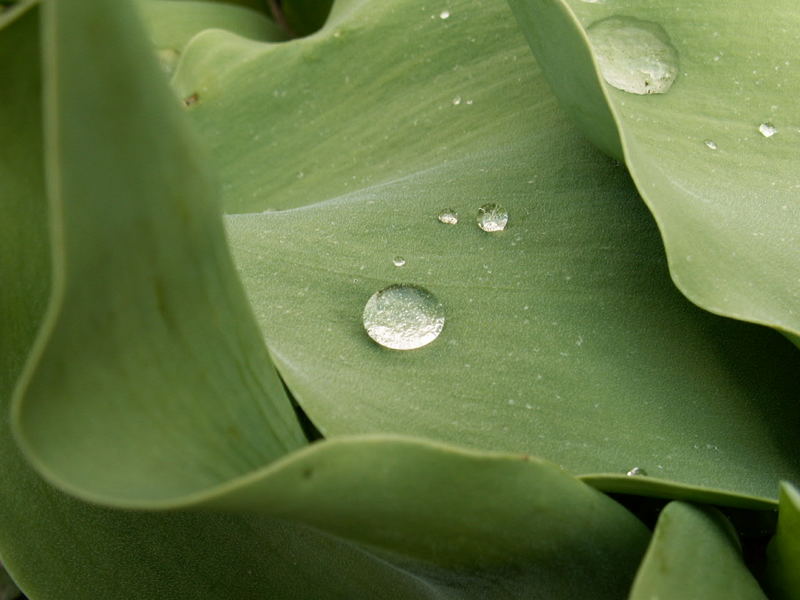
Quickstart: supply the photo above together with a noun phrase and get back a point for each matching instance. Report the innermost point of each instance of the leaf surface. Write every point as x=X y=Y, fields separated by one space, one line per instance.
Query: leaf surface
x=783 y=578
x=564 y=336
x=389 y=517
x=694 y=553
x=724 y=194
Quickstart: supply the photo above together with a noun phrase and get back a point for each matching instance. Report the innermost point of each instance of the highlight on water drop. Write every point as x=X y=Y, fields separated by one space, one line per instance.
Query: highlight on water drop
x=492 y=217
x=403 y=317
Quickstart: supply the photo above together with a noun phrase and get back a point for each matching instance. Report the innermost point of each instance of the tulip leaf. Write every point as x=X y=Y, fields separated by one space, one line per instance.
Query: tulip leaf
x=715 y=156
x=564 y=336
x=338 y=519
x=148 y=342
x=783 y=577
x=694 y=553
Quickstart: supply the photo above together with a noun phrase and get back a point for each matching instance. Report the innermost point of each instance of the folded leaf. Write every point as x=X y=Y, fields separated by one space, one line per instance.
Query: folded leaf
x=714 y=156
x=563 y=336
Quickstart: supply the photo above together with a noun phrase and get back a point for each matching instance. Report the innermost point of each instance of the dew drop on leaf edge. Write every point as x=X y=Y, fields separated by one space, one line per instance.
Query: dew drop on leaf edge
x=403 y=317
x=492 y=217
x=634 y=56
x=636 y=471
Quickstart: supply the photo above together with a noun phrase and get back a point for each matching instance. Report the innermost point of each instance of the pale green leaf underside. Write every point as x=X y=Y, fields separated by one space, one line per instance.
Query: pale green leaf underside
x=730 y=217
x=471 y=525
x=564 y=336
x=694 y=554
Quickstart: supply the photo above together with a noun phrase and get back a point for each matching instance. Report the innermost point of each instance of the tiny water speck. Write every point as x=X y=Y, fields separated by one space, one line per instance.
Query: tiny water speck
x=492 y=217
x=710 y=144
x=767 y=129
x=633 y=55
x=445 y=14
x=399 y=261
x=403 y=317
x=456 y=100
x=448 y=217
x=636 y=471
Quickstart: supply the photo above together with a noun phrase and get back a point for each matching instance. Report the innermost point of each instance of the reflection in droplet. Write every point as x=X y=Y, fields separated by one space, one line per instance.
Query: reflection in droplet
x=636 y=471
x=767 y=129
x=710 y=144
x=403 y=317
x=448 y=217
x=399 y=261
x=633 y=55
x=445 y=14
x=492 y=217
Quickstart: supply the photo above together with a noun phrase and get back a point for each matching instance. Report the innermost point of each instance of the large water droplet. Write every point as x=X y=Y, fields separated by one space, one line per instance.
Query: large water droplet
x=636 y=471
x=492 y=217
x=767 y=129
x=448 y=217
x=634 y=56
x=403 y=317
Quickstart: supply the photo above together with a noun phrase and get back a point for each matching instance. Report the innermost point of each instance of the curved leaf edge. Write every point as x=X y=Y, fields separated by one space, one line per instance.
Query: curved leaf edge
x=624 y=143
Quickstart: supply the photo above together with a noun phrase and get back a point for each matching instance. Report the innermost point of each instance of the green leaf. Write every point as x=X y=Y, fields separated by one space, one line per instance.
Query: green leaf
x=728 y=216
x=694 y=553
x=157 y=360
x=473 y=525
x=783 y=577
x=564 y=336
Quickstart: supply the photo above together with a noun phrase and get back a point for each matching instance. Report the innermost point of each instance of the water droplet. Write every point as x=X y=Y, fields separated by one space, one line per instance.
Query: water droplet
x=636 y=471
x=470 y=101
x=403 y=317
x=445 y=14
x=767 y=129
x=448 y=217
x=399 y=261
x=492 y=217
x=633 y=55
x=456 y=100
x=710 y=144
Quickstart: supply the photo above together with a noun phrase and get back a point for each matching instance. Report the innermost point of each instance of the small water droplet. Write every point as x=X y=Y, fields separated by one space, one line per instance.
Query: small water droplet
x=403 y=317
x=710 y=144
x=300 y=174
x=399 y=261
x=448 y=217
x=767 y=129
x=456 y=100
x=636 y=471
x=492 y=217
x=445 y=14
x=633 y=55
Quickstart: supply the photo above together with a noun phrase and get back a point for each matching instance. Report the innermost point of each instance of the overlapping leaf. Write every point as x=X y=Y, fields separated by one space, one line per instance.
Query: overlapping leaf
x=564 y=336
x=694 y=553
x=724 y=195
x=472 y=525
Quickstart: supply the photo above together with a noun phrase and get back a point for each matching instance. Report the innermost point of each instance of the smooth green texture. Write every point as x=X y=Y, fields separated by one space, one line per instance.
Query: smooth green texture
x=148 y=343
x=783 y=565
x=730 y=218
x=694 y=555
x=564 y=336
x=473 y=526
